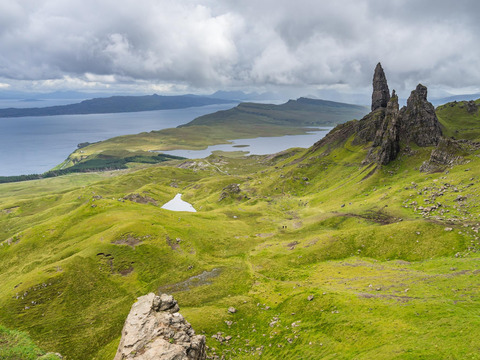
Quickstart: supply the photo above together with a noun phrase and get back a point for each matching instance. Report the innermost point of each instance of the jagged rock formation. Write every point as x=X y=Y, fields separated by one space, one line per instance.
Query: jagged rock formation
x=381 y=94
x=155 y=330
x=387 y=128
x=472 y=107
x=415 y=123
x=419 y=123
x=386 y=144
x=449 y=152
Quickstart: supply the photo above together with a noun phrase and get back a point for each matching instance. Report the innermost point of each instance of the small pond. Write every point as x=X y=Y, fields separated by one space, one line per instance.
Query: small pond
x=177 y=204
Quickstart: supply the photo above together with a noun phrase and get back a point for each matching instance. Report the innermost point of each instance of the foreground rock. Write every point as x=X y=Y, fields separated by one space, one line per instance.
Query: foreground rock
x=155 y=330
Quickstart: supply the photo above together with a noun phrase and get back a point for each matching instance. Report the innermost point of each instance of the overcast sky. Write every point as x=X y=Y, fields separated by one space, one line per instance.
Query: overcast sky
x=199 y=46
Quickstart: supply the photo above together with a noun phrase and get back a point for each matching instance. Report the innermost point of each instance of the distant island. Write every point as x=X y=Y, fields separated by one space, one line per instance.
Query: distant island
x=116 y=104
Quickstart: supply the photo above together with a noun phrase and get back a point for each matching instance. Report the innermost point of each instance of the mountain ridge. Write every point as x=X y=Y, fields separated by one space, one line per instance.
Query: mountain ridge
x=115 y=104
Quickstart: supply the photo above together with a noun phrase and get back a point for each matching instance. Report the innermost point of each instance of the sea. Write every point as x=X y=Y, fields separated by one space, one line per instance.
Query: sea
x=33 y=145
x=257 y=146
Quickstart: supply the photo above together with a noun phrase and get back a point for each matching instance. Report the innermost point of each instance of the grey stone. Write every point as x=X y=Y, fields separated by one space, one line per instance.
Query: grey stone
x=449 y=152
x=381 y=94
x=419 y=123
x=386 y=144
x=388 y=129
x=472 y=107
x=154 y=330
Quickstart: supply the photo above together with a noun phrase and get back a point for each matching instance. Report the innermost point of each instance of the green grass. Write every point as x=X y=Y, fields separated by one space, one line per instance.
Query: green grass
x=457 y=122
x=389 y=280
x=16 y=345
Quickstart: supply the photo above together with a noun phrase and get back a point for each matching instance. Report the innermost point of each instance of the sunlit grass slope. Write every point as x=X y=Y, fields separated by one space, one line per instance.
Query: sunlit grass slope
x=322 y=256
x=459 y=120
x=15 y=345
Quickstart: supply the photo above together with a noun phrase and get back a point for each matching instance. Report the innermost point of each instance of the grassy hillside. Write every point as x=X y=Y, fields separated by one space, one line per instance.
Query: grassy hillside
x=16 y=345
x=460 y=120
x=302 y=112
x=324 y=257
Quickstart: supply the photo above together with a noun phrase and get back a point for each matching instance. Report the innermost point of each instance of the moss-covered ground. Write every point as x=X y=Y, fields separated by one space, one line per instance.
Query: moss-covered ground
x=323 y=257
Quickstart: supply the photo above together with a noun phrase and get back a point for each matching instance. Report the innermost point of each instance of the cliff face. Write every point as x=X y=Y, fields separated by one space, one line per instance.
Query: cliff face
x=389 y=128
x=155 y=330
x=386 y=129
x=419 y=123
x=386 y=144
x=381 y=94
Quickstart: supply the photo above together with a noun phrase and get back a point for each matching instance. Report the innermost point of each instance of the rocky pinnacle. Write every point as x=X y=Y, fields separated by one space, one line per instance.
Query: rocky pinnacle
x=419 y=123
x=381 y=94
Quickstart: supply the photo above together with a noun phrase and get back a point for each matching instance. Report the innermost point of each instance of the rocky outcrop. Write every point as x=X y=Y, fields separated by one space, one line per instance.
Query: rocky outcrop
x=472 y=107
x=229 y=190
x=140 y=199
x=387 y=128
x=415 y=123
x=419 y=123
x=386 y=144
x=449 y=152
x=155 y=330
x=381 y=94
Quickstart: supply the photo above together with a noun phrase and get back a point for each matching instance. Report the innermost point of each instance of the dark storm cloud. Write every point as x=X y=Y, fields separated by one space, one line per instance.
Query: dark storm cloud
x=206 y=43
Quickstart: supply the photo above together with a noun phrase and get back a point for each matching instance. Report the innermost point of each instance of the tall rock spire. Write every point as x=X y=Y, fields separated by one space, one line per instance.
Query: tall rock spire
x=419 y=121
x=381 y=94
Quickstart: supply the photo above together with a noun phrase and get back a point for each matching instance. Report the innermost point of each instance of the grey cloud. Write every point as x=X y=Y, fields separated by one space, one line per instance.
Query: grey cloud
x=208 y=43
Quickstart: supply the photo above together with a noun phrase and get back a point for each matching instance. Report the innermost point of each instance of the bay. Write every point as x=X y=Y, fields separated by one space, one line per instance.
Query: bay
x=33 y=145
x=256 y=146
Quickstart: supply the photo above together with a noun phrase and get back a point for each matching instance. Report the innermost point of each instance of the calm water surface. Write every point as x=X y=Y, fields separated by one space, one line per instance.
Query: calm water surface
x=33 y=145
x=177 y=204
x=257 y=146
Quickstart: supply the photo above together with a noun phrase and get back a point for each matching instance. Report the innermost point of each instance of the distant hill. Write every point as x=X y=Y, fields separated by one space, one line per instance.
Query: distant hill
x=301 y=112
x=116 y=104
x=460 y=119
x=245 y=121
x=464 y=97
x=242 y=96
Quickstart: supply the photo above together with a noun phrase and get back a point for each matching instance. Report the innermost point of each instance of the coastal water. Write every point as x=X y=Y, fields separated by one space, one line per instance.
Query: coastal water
x=33 y=145
x=257 y=146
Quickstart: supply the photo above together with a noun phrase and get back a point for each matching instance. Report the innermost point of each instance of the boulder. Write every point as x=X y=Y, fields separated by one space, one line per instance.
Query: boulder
x=155 y=330
x=472 y=107
x=449 y=152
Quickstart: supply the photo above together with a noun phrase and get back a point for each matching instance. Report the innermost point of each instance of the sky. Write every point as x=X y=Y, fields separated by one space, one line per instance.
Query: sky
x=295 y=47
